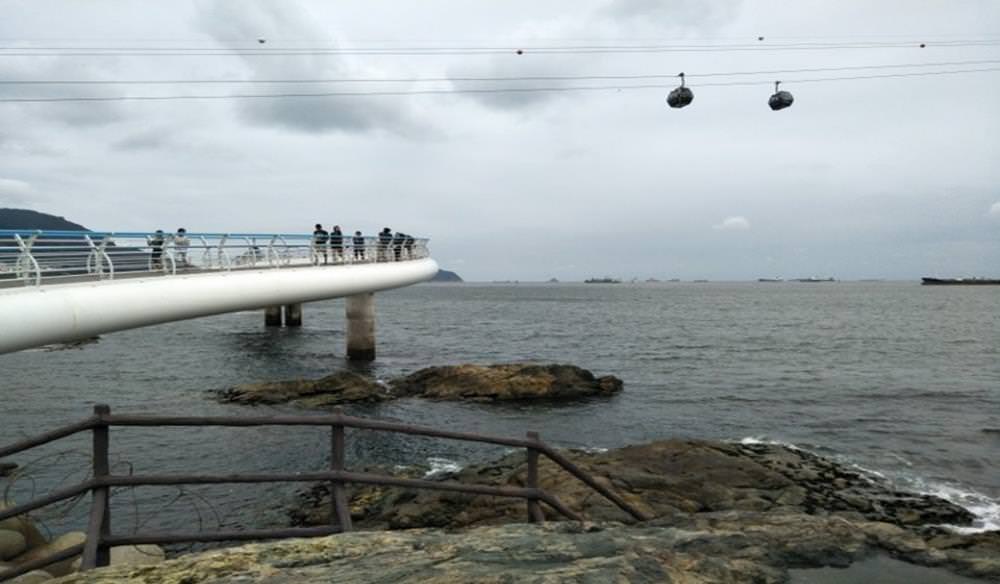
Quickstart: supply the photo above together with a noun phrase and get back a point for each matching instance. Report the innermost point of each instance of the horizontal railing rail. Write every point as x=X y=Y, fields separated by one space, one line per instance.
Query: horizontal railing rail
x=96 y=549
x=48 y=257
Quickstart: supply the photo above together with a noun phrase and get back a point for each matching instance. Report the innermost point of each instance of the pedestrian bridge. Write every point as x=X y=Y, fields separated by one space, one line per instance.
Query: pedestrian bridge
x=62 y=286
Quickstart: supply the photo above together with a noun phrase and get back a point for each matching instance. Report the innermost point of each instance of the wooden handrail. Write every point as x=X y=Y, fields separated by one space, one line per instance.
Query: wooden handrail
x=96 y=550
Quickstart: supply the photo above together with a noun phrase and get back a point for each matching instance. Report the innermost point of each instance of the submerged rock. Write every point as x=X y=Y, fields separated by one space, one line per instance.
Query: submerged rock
x=341 y=387
x=517 y=381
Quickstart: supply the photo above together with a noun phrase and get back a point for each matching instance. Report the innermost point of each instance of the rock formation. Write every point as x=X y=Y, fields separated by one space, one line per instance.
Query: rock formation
x=505 y=382
x=454 y=382
x=741 y=496
x=21 y=543
x=341 y=387
x=757 y=549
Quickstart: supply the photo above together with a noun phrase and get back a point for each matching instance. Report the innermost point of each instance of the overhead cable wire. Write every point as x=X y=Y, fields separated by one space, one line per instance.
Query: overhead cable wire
x=333 y=35
x=516 y=78
x=446 y=91
x=469 y=50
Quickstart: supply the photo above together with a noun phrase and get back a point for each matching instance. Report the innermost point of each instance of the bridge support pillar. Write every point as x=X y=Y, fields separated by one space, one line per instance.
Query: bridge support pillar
x=293 y=314
x=272 y=316
x=361 y=327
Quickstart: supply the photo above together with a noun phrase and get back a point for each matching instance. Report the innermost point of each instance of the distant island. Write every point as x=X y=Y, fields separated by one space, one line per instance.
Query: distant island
x=446 y=276
x=28 y=219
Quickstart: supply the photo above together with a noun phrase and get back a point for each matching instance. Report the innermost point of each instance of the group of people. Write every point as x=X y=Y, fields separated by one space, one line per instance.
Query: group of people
x=181 y=246
x=326 y=246
x=329 y=246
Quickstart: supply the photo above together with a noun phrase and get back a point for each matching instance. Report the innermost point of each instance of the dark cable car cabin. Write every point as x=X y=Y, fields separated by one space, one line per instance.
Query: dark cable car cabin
x=780 y=99
x=680 y=96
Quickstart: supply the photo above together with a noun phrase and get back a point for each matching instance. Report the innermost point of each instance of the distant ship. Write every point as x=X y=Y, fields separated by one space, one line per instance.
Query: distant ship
x=604 y=280
x=770 y=279
x=960 y=281
x=814 y=279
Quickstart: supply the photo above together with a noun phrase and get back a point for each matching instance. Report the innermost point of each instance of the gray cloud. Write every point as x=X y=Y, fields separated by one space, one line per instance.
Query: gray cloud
x=14 y=192
x=226 y=21
x=146 y=140
x=852 y=181
x=700 y=15
x=733 y=223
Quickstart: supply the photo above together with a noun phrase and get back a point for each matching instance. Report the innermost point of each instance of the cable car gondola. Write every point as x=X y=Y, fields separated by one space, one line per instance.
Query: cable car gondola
x=680 y=96
x=780 y=99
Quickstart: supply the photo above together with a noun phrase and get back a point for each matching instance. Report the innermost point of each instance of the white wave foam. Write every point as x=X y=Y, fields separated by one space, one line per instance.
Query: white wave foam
x=440 y=466
x=985 y=509
x=752 y=440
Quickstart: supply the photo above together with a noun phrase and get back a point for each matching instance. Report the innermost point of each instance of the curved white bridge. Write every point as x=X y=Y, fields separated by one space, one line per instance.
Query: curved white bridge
x=64 y=286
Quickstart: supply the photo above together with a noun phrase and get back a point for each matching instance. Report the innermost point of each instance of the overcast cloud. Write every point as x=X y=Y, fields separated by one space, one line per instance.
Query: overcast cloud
x=893 y=178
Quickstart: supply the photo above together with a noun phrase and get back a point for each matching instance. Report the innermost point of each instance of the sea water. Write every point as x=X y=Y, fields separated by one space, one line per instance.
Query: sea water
x=900 y=380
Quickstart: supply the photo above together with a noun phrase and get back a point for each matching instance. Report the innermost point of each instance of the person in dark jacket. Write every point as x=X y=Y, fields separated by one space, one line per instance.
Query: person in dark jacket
x=359 y=247
x=408 y=245
x=397 y=245
x=384 y=240
x=337 y=244
x=156 y=247
x=320 y=237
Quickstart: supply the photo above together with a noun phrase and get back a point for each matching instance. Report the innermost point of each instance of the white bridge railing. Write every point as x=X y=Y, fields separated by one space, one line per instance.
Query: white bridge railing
x=34 y=258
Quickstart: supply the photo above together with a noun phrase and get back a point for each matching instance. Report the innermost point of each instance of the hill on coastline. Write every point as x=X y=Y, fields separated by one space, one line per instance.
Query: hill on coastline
x=28 y=219
x=446 y=276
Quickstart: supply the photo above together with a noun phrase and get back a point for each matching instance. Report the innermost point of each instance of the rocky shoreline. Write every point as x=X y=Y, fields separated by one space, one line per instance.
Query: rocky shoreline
x=502 y=382
x=751 y=505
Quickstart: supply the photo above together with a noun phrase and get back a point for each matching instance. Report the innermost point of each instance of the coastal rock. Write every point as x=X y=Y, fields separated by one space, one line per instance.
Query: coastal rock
x=62 y=542
x=341 y=387
x=663 y=479
x=804 y=502
x=515 y=381
x=23 y=525
x=12 y=544
x=32 y=577
x=752 y=548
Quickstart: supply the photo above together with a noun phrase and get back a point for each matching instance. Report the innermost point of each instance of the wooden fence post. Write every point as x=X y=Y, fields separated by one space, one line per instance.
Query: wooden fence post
x=341 y=510
x=535 y=514
x=95 y=552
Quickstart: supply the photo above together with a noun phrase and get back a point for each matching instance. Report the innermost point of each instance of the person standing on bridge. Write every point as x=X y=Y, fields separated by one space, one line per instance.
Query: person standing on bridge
x=337 y=244
x=181 y=245
x=156 y=250
x=397 y=245
x=320 y=237
x=384 y=240
x=359 y=247
x=408 y=245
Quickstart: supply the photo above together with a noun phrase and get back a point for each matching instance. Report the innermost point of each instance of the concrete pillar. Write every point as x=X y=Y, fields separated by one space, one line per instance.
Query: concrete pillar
x=272 y=316
x=293 y=314
x=361 y=327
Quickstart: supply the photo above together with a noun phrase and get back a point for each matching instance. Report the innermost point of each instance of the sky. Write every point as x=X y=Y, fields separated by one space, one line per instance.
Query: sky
x=891 y=178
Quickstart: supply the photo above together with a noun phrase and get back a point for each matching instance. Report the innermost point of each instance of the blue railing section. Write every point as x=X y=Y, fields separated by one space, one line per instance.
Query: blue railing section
x=37 y=257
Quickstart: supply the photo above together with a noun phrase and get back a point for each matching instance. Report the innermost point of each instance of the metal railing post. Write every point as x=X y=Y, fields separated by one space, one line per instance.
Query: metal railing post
x=535 y=514
x=96 y=552
x=26 y=260
x=341 y=510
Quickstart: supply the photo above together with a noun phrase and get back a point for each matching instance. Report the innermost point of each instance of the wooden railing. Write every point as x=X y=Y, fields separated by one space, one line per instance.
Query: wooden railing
x=96 y=548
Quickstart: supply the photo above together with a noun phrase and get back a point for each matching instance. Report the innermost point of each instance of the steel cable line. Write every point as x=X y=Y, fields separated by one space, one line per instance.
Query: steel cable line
x=470 y=50
x=498 y=79
x=446 y=91
x=332 y=35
